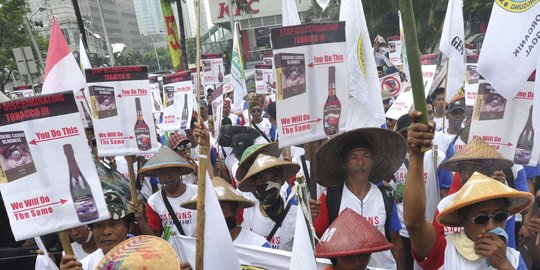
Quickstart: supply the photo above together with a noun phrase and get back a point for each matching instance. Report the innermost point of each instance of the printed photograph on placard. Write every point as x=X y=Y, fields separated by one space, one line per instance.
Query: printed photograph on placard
x=15 y=157
x=169 y=91
x=103 y=101
x=491 y=105
x=291 y=73
x=472 y=74
x=207 y=65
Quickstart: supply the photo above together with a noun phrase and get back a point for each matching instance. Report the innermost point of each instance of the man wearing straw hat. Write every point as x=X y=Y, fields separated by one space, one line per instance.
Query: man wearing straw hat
x=239 y=138
x=180 y=144
x=230 y=201
x=481 y=207
x=274 y=214
x=349 y=165
x=163 y=212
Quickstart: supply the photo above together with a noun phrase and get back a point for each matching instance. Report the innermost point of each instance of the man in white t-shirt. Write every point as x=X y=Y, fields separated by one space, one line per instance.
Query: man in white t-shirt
x=455 y=115
x=274 y=214
x=84 y=243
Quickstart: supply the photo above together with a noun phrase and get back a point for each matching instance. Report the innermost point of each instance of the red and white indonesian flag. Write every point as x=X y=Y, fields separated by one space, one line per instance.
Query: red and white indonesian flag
x=365 y=105
x=84 y=60
x=290 y=13
x=511 y=45
x=61 y=71
x=452 y=45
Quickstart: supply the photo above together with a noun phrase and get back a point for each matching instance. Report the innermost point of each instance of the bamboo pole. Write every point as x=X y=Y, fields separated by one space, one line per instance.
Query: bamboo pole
x=203 y=156
x=66 y=243
x=413 y=56
x=132 y=187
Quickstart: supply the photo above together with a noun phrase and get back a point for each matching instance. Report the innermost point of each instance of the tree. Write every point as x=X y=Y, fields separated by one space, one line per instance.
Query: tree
x=12 y=13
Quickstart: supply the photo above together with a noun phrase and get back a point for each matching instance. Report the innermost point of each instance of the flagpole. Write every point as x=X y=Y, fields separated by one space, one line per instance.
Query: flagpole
x=203 y=155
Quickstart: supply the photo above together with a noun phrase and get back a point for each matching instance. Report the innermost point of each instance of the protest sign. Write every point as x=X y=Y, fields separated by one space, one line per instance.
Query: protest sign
x=268 y=61
x=42 y=194
x=394 y=50
x=217 y=108
x=391 y=84
x=516 y=141
x=21 y=91
x=201 y=87
x=155 y=94
x=265 y=82
x=213 y=70
x=471 y=84
x=428 y=74
x=178 y=101
x=122 y=110
x=301 y=54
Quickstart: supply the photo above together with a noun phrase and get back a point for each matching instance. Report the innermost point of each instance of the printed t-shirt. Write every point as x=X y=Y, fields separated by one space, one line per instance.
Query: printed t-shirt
x=159 y=218
x=248 y=237
x=91 y=261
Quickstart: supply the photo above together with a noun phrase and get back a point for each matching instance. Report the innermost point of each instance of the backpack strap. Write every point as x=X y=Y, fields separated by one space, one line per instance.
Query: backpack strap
x=388 y=195
x=171 y=212
x=279 y=222
x=333 y=202
x=509 y=177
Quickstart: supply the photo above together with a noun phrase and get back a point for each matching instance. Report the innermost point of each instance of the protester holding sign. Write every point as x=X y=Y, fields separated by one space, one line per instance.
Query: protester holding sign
x=84 y=243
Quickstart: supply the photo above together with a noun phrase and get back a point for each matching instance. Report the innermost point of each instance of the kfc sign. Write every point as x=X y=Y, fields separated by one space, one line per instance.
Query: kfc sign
x=219 y=9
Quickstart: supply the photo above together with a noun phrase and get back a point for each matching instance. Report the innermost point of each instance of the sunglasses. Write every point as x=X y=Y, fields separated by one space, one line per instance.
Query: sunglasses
x=498 y=217
x=255 y=110
x=183 y=147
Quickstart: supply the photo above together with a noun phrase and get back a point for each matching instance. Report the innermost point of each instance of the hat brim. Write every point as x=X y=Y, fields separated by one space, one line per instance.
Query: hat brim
x=150 y=171
x=388 y=149
x=288 y=170
x=226 y=134
x=453 y=165
x=519 y=201
x=358 y=251
x=271 y=149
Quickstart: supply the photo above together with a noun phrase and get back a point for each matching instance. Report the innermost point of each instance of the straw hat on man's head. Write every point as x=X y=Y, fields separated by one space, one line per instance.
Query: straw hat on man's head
x=479 y=151
x=166 y=158
x=388 y=149
x=480 y=188
x=263 y=163
x=251 y=153
x=225 y=193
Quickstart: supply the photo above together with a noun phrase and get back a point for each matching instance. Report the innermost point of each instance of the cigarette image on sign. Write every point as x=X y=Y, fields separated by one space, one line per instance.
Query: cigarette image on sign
x=291 y=74
x=169 y=90
x=15 y=157
x=491 y=104
x=103 y=101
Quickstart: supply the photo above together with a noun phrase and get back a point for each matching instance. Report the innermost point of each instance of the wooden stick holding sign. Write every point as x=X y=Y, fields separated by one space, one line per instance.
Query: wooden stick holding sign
x=66 y=242
x=132 y=186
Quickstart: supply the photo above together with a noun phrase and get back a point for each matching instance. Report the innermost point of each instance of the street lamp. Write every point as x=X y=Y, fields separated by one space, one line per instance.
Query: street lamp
x=36 y=47
x=155 y=50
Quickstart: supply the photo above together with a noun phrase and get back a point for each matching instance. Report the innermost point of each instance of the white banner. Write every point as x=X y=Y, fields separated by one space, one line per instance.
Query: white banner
x=122 y=110
x=516 y=141
x=453 y=46
x=213 y=70
x=265 y=82
x=311 y=56
x=179 y=101
x=44 y=195
x=238 y=76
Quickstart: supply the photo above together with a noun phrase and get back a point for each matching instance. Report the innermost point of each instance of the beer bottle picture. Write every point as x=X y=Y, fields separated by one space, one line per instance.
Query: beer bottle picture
x=87 y=116
x=525 y=143
x=184 y=119
x=268 y=84
x=220 y=74
x=81 y=194
x=142 y=132
x=332 y=107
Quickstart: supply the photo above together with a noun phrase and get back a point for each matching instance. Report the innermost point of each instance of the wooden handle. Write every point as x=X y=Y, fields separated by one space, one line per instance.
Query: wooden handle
x=132 y=187
x=66 y=242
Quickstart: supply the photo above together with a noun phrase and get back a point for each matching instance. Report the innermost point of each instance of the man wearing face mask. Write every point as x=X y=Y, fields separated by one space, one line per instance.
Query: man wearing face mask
x=238 y=139
x=230 y=201
x=274 y=214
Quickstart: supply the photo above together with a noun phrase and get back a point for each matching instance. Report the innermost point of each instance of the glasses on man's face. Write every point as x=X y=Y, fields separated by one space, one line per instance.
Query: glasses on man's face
x=482 y=219
x=256 y=110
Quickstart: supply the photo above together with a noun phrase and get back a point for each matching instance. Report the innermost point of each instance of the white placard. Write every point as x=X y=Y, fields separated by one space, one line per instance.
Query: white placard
x=213 y=70
x=394 y=49
x=265 y=81
x=179 y=101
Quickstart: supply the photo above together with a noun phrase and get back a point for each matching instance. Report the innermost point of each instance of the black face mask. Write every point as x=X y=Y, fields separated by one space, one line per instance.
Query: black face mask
x=231 y=222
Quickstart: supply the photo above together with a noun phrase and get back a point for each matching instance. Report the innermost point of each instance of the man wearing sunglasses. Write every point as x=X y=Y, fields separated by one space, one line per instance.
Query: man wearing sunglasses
x=481 y=207
x=182 y=146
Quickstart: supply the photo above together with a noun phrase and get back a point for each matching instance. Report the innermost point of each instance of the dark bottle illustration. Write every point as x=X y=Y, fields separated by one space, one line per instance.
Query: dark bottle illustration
x=87 y=116
x=142 y=132
x=184 y=119
x=81 y=194
x=156 y=104
x=525 y=143
x=332 y=107
x=220 y=74
x=268 y=84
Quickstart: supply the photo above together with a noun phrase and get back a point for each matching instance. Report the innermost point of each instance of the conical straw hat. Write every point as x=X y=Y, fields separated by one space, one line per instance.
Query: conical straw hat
x=141 y=252
x=265 y=162
x=477 y=150
x=251 y=153
x=350 y=234
x=166 y=158
x=480 y=188
x=225 y=193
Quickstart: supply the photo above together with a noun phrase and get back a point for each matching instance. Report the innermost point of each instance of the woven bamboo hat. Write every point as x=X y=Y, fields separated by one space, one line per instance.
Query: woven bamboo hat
x=251 y=153
x=388 y=149
x=350 y=234
x=480 y=188
x=164 y=159
x=480 y=151
x=228 y=131
x=225 y=193
x=141 y=252
x=265 y=162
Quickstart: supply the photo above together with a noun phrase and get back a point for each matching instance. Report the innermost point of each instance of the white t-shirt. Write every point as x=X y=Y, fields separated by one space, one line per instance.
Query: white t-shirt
x=265 y=126
x=439 y=122
x=458 y=144
x=156 y=209
x=248 y=237
x=232 y=165
x=255 y=221
x=442 y=141
x=372 y=208
x=91 y=261
x=234 y=119
x=78 y=251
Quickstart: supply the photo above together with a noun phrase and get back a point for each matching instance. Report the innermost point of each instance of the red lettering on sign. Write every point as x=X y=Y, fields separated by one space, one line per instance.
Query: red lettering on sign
x=224 y=9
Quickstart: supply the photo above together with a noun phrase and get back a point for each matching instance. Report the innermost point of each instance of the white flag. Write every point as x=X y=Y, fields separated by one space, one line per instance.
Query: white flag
x=365 y=105
x=452 y=45
x=83 y=57
x=238 y=76
x=323 y=4
x=536 y=101
x=404 y=50
x=290 y=13
x=302 y=250
x=510 y=49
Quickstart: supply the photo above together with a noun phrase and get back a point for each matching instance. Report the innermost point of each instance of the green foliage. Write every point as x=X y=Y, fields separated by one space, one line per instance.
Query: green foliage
x=147 y=57
x=191 y=49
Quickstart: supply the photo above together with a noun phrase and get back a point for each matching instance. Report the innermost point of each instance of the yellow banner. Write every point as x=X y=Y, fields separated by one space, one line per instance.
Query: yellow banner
x=172 y=36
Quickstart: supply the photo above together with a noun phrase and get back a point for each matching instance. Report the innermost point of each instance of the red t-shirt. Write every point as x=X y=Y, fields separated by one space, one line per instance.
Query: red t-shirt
x=435 y=258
